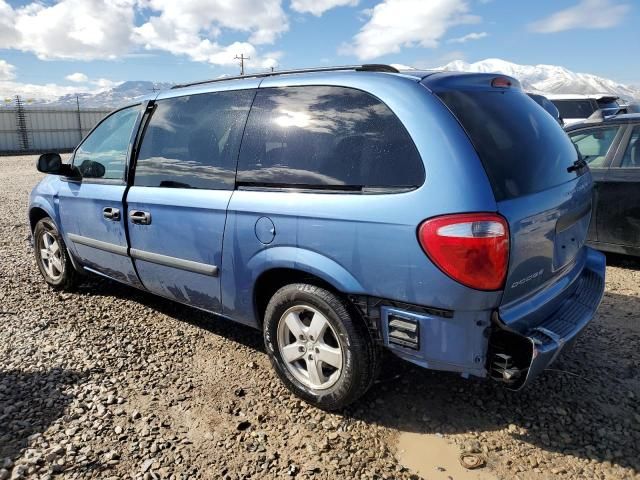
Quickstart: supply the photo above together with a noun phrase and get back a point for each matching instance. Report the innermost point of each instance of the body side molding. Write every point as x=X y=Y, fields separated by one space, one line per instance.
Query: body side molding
x=99 y=244
x=167 y=261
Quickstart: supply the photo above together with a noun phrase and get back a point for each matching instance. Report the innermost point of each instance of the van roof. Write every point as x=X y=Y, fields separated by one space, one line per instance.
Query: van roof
x=430 y=78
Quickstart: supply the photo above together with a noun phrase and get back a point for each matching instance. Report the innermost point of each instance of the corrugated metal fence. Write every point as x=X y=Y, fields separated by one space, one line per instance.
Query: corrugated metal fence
x=41 y=129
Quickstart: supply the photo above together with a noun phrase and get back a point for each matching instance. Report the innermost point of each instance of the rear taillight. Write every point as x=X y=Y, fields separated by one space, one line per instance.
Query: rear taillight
x=471 y=248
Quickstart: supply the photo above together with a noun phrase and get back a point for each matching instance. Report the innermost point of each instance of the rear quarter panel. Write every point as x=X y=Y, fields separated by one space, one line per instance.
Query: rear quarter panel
x=363 y=243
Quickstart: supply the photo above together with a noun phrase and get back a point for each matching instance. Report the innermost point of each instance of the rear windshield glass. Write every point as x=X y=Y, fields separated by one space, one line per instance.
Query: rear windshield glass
x=575 y=108
x=608 y=103
x=522 y=148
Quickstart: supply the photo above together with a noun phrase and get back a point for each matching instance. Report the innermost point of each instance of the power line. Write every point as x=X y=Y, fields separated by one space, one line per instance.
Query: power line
x=242 y=58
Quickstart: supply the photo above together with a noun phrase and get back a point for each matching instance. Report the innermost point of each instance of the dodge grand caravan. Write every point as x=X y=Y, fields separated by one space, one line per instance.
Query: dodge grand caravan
x=439 y=215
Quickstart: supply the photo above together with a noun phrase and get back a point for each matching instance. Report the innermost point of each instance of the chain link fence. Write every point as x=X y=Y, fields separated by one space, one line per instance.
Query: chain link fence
x=35 y=129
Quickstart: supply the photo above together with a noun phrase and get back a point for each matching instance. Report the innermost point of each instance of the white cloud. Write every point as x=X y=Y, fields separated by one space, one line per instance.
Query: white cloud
x=394 y=24
x=585 y=14
x=77 y=77
x=70 y=29
x=469 y=36
x=190 y=28
x=263 y=19
x=7 y=71
x=104 y=84
x=51 y=91
x=318 y=7
x=107 y=29
x=98 y=84
x=48 y=91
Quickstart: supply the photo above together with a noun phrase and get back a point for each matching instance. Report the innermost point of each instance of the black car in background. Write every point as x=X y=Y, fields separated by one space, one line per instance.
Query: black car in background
x=611 y=147
x=576 y=108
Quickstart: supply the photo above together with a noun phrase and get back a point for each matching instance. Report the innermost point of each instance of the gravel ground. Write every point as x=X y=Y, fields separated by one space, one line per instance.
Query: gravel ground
x=112 y=382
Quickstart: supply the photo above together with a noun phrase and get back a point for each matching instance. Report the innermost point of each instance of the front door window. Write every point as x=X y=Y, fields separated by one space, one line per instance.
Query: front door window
x=103 y=154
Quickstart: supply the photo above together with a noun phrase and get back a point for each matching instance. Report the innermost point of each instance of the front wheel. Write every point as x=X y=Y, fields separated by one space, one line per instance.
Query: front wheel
x=52 y=256
x=319 y=350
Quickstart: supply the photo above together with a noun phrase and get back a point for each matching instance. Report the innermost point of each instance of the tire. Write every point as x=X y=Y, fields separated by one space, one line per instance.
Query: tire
x=59 y=272
x=315 y=376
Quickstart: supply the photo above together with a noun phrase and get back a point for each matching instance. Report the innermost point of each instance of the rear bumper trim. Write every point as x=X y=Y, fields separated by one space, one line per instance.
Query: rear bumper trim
x=560 y=330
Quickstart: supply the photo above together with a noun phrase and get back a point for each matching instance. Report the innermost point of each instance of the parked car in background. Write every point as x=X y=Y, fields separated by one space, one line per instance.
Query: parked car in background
x=612 y=150
x=545 y=103
x=631 y=107
x=576 y=108
x=442 y=216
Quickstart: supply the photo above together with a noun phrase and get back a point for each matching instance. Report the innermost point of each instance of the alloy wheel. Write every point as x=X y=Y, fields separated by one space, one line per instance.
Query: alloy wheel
x=310 y=347
x=51 y=256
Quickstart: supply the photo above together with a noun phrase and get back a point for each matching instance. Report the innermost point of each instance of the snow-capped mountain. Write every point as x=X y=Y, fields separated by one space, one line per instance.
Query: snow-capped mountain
x=537 y=78
x=548 y=78
x=124 y=93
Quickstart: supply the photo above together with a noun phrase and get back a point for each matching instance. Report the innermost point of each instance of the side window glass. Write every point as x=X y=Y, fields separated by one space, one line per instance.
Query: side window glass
x=103 y=154
x=317 y=136
x=193 y=141
x=631 y=157
x=594 y=144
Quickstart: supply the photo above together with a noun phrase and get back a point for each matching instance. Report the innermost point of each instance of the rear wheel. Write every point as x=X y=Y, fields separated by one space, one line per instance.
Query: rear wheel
x=319 y=350
x=52 y=256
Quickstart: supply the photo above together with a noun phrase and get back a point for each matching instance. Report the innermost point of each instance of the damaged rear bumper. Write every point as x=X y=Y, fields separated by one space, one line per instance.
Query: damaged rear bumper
x=517 y=357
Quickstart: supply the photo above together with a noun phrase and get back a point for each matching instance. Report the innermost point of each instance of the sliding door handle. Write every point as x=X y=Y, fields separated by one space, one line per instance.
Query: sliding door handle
x=111 y=213
x=139 y=217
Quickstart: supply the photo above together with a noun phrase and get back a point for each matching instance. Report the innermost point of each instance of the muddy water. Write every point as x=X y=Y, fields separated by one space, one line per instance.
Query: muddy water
x=432 y=457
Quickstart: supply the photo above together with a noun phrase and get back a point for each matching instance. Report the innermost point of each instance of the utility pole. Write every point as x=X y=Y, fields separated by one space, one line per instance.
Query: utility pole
x=242 y=58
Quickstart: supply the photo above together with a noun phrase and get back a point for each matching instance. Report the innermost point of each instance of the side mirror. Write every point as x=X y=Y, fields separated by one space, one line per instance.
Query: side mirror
x=50 y=163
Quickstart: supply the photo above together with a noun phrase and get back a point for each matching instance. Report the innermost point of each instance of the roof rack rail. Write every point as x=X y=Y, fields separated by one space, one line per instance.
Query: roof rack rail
x=373 y=67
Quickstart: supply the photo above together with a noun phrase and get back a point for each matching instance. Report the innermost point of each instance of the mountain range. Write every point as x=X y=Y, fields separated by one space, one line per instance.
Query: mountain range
x=126 y=92
x=537 y=78
x=548 y=78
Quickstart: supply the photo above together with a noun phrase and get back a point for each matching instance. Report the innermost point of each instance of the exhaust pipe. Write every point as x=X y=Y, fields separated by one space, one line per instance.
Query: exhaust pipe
x=509 y=358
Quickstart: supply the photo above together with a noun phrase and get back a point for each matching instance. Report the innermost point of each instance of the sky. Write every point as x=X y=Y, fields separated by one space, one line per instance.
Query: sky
x=51 y=48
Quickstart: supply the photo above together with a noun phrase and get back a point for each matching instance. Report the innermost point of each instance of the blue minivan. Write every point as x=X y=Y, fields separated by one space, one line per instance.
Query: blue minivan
x=343 y=211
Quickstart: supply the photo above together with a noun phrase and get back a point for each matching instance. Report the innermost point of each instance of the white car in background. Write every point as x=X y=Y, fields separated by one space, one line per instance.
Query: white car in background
x=575 y=108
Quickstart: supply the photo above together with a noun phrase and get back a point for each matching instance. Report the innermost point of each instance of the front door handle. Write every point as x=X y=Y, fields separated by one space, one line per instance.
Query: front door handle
x=111 y=213
x=139 y=217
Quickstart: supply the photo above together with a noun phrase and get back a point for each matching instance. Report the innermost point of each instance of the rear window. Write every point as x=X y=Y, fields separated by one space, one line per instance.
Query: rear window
x=522 y=148
x=575 y=108
x=608 y=106
x=608 y=103
x=326 y=137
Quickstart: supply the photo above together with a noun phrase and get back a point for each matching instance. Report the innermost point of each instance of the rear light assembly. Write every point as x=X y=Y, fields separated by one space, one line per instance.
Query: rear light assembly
x=471 y=248
x=501 y=82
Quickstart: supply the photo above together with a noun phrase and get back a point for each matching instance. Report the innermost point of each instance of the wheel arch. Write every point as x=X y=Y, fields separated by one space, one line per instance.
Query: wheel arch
x=275 y=267
x=37 y=213
x=272 y=280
